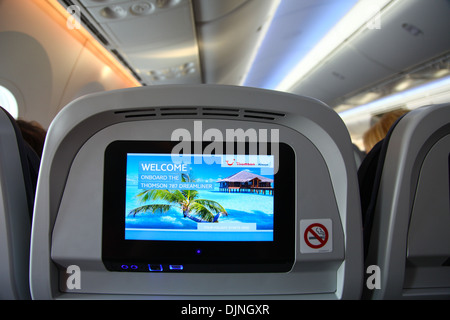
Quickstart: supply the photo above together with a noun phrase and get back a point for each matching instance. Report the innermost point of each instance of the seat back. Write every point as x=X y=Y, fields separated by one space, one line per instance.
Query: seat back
x=97 y=235
x=19 y=166
x=409 y=239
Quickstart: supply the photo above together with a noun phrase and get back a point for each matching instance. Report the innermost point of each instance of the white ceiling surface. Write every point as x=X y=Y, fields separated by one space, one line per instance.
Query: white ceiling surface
x=213 y=41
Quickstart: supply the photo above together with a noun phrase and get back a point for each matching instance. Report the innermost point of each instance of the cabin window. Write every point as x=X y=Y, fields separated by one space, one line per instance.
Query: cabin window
x=9 y=102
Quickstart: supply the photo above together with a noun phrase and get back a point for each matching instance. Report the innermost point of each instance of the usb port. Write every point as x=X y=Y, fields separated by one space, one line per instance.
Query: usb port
x=176 y=267
x=155 y=267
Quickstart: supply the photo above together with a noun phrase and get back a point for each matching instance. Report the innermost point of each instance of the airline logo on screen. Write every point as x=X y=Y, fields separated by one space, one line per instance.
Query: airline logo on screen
x=259 y=161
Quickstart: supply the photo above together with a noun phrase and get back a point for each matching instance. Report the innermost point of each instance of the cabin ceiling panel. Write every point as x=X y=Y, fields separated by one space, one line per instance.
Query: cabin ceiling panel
x=209 y=10
x=89 y=75
x=155 y=38
x=296 y=28
x=409 y=34
x=150 y=31
x=346 y=70
x=311 y=89
x=378 y=54
x=215 y=41
x=227 y=45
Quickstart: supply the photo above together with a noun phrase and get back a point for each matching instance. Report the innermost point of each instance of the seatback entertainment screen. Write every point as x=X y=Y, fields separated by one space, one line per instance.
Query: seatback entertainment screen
x=197 y=212
x=199 y=197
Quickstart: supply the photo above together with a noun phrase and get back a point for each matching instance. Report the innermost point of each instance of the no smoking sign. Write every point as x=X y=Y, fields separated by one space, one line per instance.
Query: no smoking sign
x=316 y=236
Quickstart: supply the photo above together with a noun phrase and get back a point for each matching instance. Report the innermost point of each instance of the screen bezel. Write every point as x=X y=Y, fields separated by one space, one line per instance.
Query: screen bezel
x=195 y=256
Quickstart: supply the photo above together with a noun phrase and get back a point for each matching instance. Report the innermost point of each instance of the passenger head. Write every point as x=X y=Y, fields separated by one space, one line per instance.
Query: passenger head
x=379 y=130
x=34 y=134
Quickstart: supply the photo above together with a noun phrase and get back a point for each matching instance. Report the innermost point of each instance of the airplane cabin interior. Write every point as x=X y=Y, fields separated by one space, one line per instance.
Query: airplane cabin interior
x=219 y=150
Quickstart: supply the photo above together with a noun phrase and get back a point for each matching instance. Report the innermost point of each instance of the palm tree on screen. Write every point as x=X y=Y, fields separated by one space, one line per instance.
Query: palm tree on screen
x=198 y=210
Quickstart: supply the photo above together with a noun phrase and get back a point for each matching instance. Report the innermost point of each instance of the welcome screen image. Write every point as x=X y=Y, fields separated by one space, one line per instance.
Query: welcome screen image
x=199 y=198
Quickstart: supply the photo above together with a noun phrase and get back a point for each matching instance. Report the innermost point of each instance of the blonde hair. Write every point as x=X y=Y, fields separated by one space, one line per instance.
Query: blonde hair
x=379 y=130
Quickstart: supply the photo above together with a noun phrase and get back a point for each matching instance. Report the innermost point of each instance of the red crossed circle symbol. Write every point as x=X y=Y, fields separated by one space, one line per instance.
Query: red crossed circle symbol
x=323 y=239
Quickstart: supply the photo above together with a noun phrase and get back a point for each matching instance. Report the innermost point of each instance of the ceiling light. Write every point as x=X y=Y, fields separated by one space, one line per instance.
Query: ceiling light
x=441 y=73
x=366 y=13
x=365 y=98
x=404 y=84
x=173 y=72
x=407 y=79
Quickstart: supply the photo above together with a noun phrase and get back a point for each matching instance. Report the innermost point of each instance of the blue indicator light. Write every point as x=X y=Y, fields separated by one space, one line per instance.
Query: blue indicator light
x=134 y=267
x=176 y=267
x=124 y=267
x=155 y=267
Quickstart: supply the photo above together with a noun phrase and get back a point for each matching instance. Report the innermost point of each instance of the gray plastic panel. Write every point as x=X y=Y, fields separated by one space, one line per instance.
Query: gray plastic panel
x=411 y=217
x=14 y=217
x=429 y=236
x=68 y=212
x=78 y=242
